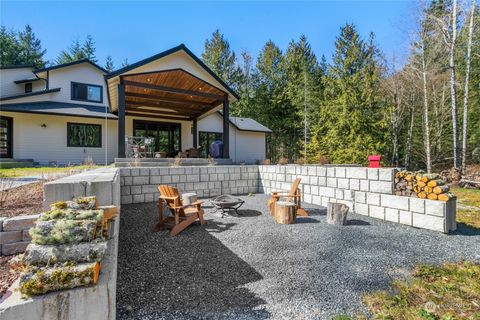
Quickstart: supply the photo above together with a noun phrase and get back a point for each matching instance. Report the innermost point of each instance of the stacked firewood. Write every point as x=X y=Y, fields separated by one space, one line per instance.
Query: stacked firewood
x=68 y=244
x=421 y=185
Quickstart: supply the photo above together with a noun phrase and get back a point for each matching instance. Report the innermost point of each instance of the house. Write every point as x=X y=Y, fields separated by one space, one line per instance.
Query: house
x=75 y=111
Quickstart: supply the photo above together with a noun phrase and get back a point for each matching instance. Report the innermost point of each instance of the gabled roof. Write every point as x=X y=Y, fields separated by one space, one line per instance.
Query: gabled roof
x=68 y=64
x=60 y=108
x=180 y=47
x=246 y=124
x=29 y=94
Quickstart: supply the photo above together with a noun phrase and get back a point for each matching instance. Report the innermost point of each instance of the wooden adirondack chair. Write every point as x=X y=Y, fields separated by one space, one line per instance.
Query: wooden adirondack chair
x=294 y=195
x=182 y=215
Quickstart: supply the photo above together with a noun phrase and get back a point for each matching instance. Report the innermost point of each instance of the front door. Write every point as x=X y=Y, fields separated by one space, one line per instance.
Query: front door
x=6 y=137
x=166 y=135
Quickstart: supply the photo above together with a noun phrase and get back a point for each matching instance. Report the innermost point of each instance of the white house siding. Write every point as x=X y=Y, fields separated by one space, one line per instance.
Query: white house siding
x=8 y=76
x=244 y=145
x=83 y=73
x=31 y=141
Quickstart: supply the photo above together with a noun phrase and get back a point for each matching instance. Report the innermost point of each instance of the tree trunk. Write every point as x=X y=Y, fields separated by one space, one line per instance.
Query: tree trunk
x=408 y=152
x=337 y=213
x=453 y=88
x=425 y=109
x=465 y=98
x=285 y=212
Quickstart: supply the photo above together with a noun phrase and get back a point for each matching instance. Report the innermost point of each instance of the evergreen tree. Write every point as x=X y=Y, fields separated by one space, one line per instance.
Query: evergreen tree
x=246 y=88
x=221 y=59
x=89 y=48
x=125 y=63
x=78 y=51
x=9 y=48
x=109 y=66
x=352 y=118
x=31 y=51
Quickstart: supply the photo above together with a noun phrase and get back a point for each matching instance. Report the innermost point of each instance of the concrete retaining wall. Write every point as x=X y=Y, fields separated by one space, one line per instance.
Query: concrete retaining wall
x=140 y=184
x=367 y=191
x=95 y=302
x=14 y=236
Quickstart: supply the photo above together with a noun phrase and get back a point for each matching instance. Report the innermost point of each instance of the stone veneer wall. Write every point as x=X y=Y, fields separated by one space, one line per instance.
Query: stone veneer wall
x=14 y=237
x=367 y=191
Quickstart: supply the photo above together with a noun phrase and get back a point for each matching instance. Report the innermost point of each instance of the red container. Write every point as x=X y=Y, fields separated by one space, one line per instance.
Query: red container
x=374 y=161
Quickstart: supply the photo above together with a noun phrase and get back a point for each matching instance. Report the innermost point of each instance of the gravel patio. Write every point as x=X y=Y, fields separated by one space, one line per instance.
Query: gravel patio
x=247 y=267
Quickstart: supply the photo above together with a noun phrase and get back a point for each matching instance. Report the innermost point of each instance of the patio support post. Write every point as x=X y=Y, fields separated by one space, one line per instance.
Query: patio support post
x=121 y=120
x=195 y=133
x=226 y=127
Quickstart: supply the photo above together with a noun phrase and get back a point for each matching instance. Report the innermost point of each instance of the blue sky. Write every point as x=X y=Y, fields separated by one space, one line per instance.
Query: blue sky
x=136 y=30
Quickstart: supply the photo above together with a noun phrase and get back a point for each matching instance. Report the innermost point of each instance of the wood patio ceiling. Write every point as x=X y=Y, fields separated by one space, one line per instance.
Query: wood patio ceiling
x=171 y=94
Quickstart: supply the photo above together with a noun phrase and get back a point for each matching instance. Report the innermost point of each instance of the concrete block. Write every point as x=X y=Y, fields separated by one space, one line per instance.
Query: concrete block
x=149 y=189
x=313 y=180
x=144 y=171
x=332 y=182
x=354 y=184
x=140 y=180
x=154 y=171
x=314 y=190
x=405 y=217
x=340 y=172
x=138 y=198
x=339 y=194
x=307 y=198
x=451 y=215
x=435 y=208
x=325 y=201
x=317 y=200
x=364 y=185
x=381 y=187
x=10 y=236
x=155 y=180
x=386 y=174
x=19 y=222
x=128 y=181
x=360 y=197
x=396 y=202
x=321 y=171
x=356 y=172
x=175 y=179
x=149 y=197
x=417 y=205
x=322 y=181
x=327 y=192
x=330 y=172
x=14 y=248
x=168 y=179
x=343 y=183
x=372 y=173
x=348 y=195
x=135 y=189
x=26 y=235
x=193 y=178
x=312 y=170
x=428 y=222
x=373 y=198
x=361 y=208
x=126 y=199
x=376 y=212
x=135 y=172
x=392 y=215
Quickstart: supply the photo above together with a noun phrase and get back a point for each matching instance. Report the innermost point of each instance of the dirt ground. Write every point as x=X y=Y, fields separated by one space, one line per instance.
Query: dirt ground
x=6 y=278
x=22 y=200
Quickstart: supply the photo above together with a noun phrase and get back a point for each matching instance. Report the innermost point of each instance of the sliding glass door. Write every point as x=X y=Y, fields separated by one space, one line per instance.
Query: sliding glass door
x=167 y=136
x=6 y=137
x=206 y=138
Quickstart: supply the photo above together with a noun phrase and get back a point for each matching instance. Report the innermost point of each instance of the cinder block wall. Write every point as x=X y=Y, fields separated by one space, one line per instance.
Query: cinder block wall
x=141 y=184
x=367 y=191
x=14 y=236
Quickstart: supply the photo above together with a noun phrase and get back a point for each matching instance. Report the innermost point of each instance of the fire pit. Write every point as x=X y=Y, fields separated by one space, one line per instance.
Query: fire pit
x=226 y=203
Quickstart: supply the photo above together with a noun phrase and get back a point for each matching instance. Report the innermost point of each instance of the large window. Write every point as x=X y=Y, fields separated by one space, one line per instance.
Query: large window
x=166 y=135
x=87 y=92
x=206 y=138
x=84 y=135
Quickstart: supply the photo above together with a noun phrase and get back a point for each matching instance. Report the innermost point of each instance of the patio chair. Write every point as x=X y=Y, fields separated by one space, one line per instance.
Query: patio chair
x=294 y=195
x=182 y=215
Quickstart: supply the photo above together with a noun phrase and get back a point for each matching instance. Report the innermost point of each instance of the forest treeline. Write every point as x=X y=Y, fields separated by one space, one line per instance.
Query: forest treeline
x=422 y=114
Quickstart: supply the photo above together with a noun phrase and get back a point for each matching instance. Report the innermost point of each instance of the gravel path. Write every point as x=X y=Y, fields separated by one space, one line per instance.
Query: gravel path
x=248 y=267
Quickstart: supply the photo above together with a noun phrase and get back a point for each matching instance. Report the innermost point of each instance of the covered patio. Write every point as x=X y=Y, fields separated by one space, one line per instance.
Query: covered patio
x=174 y=86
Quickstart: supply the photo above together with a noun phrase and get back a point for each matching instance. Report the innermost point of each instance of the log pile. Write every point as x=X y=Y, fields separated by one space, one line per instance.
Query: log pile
x=421 y=185
x=68 y=245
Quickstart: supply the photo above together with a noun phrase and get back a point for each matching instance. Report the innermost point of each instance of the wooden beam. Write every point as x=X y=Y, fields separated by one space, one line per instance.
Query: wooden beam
x=195 y=132
x=168 y=99
x=174 y=90
x=146 y=115
x=172 y=113
x=158 y=105
x=121 y=121
x=226 y=129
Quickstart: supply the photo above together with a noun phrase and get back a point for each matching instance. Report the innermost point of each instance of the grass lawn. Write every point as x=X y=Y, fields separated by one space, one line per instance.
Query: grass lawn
x=42 y=171
x=468 y=206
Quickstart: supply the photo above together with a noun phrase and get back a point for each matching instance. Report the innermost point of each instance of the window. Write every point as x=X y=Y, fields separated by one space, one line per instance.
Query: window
x=87 y=92
x=28 y=87
x=84 y=135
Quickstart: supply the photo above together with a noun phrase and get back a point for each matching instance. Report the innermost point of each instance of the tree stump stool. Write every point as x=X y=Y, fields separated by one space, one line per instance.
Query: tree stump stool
x=285 y=212
x=189 y=198
x=337 y=213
